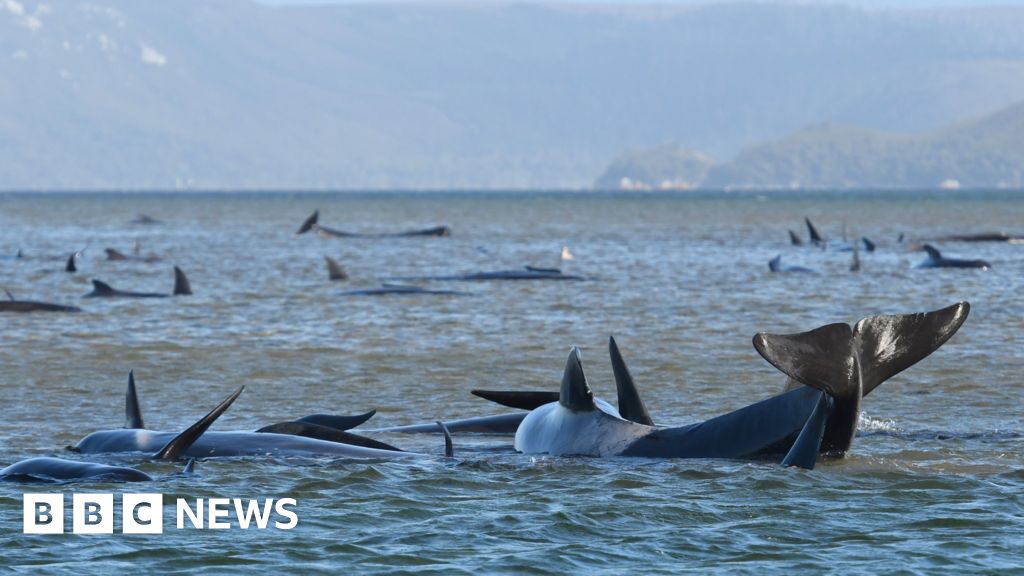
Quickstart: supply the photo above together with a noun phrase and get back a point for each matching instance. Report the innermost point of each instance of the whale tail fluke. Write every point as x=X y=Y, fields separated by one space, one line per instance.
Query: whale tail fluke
x=309 y=223
x=100 y=289
x=889 y=345
x=132 y=411
x=575 y=393
x=181 y=285
x=821 y=358
x=182 y=442
x=631 y=407
x=334 y=270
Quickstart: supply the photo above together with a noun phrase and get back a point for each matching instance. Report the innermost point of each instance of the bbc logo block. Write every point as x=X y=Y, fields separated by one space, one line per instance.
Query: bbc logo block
x=93 y=513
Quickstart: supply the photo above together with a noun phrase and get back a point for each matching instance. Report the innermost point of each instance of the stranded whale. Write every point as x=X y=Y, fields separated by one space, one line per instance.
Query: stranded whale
x=937 y=260
x=104 y=290
x=13 y=305
x=311 y=223
x=527 y=273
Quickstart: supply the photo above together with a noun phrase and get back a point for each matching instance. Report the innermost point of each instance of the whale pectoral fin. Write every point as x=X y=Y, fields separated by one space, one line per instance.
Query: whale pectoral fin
x=184 y=441
x=337 y=422
x=575 y=393
x=631 y=407
x=309 y=223
x=190 y=467
x=514 y=399
x=887 y=345
x=449 y=449
x=804 y=452
x=822 y=358
x=181 y=285
x=311 y=430
x=132 y=411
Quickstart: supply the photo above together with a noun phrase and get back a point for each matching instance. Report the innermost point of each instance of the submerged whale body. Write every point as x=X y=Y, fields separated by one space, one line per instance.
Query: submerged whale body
x=48 y=469
x=775 y=265
x=104 y=290
x=402 y=290
x=526 y=273
x=312 y=223
x=935 y=259
x=12 y=305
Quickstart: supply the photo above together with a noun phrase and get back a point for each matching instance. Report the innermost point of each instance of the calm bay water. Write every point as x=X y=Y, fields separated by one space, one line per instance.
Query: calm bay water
x=934 y=482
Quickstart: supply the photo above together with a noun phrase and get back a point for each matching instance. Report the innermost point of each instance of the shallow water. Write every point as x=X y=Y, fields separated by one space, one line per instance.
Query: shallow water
x=934 y=481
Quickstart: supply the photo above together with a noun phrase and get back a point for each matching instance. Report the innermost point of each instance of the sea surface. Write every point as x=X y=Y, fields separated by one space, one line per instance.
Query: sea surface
x=934 y=482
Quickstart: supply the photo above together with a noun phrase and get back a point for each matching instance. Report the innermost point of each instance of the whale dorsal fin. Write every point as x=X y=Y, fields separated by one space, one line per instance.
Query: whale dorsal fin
x=181 y=285
x=575 y=393
x=515 y=399
x=309 y=223
x=132 y=411
x=855 y=264
x=100 y=288
x=70 y=266
x=815 y=237
x=869 y=246
x=933 y=254
x=114 y=254
x=887 y=345
x=794 y=239
x=631 y=407
x=822 y=358
x=337 y=422
x=775 y=263
x=184 y=441
x=334 y=270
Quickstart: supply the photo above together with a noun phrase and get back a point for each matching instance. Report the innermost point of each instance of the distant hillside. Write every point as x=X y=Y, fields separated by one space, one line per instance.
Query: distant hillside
x=666 y=167
x=983 y=153
x=233 y=94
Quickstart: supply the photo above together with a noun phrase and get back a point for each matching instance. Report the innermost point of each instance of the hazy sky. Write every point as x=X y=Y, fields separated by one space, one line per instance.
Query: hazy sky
x=861 y=3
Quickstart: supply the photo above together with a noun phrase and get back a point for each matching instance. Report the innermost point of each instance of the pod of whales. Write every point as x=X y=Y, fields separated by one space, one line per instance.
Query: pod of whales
x=311 y=223
x=104 y=290
x=830 y=370
x=935 y=259
x=304 y=438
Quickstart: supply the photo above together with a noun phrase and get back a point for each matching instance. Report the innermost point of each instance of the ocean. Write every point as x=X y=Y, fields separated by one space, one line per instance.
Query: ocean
x=934 y=481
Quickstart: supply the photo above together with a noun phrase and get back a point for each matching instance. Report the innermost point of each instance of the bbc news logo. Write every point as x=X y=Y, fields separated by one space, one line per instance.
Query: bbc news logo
x=144 y=513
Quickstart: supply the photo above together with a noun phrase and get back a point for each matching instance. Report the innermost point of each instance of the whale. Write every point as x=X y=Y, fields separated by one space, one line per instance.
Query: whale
x=145 y=219
x=312 y=223
x=829 y=368
x=314 y=436
x=775 y=265
x=983 y=237
x=526 y=273
x=402 y=290
x=50 y=469
x=103 y=290
x=819 y=241
x=14 y=305
x=118 y=256
x=935 y=259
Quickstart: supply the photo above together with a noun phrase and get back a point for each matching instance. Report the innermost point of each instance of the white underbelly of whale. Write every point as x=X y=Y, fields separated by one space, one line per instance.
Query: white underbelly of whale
x=556 y=430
